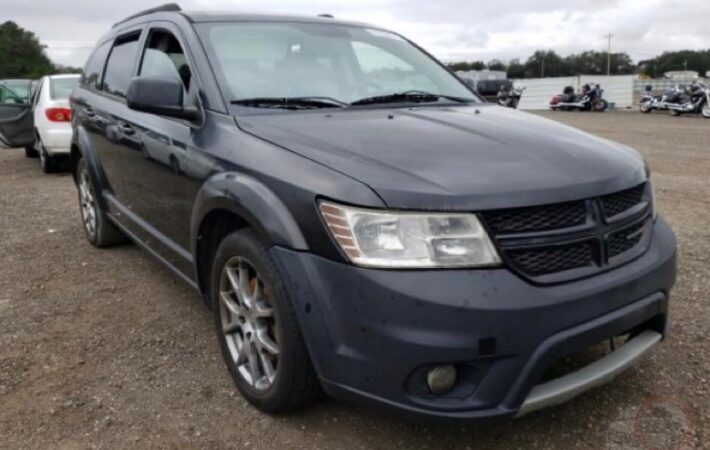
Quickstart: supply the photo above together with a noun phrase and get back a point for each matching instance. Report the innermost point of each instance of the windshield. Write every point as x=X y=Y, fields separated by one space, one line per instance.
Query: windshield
x=61 y=88
x=257 y=60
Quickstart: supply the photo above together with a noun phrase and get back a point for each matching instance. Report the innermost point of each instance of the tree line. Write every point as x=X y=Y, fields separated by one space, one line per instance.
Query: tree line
x=547 y=63
x=23 y=56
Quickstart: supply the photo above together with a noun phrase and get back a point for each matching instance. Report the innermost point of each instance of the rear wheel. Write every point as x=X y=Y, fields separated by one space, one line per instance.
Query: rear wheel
x=99 y=230
x=256 y=324
x=31 y=152
x=600 y=105
x=49 y=163
x=675 y=112
x=706 y=111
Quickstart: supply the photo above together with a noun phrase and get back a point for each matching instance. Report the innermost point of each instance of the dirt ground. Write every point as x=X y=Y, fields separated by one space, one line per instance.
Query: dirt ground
x=106 y=349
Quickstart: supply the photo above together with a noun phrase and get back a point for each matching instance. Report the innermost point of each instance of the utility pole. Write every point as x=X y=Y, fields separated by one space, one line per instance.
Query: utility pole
x=542 y=68
x=608 y=54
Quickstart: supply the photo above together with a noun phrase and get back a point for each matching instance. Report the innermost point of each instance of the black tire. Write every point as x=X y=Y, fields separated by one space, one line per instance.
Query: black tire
x=644 y=108
x=103 y=233
x=49 y=163
x=30 y=152
x=295 y=384
x=600 y=105
x=675 y=112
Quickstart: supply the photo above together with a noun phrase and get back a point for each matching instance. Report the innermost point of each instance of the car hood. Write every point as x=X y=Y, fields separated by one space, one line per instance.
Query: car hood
x=455 y=157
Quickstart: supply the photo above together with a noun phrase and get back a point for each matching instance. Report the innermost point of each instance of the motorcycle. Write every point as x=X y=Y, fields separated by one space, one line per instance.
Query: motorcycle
x=509 y=96
x=590 y=99
x=673 y=96
x=697 y=101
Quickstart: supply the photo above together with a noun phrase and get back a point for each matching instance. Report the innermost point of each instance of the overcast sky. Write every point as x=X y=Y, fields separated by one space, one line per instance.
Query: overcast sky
x=451 y=29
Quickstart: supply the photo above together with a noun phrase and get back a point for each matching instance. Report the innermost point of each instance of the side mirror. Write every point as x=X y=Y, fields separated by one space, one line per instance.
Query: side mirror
x=159 y=95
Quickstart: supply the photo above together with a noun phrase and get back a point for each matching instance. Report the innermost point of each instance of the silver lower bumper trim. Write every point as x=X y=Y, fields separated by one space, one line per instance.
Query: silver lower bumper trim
x=595 y=374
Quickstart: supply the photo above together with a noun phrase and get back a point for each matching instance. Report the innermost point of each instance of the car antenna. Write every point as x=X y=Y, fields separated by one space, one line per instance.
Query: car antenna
x=327 y=16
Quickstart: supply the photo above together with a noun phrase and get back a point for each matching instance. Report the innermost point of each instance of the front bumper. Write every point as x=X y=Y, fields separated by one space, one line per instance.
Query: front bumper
x=372 y=334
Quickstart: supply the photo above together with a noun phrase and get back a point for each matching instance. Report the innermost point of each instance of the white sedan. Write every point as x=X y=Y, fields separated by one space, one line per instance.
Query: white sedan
x=52 y=120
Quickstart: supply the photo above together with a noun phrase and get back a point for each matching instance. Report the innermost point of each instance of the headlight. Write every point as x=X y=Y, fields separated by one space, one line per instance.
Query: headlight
x=376 y=238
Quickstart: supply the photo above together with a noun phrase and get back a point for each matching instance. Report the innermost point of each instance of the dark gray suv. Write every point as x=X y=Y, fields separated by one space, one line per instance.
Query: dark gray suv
x=360 y=222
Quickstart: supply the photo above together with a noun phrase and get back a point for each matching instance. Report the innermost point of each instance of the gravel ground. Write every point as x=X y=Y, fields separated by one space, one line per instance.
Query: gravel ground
x=106 y=349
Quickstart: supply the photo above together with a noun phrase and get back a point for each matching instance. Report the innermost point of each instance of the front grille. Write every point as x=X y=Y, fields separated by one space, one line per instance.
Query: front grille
x=564 y=241
x=542 y=218
x=614 y=204
x=626 y=239
x=543 y=261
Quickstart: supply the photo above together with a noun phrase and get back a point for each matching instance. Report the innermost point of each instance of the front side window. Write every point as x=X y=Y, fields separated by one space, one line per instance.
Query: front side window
x=164 y=57
x=120 y=64
x=345 y=63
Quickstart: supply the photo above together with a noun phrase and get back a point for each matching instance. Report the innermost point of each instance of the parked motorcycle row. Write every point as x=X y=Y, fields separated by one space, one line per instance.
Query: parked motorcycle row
x=681 y=99
x=590 y=98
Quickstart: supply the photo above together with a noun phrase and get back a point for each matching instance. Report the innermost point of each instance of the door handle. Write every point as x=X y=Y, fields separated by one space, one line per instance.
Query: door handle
x=127 y=129
x=89 y=112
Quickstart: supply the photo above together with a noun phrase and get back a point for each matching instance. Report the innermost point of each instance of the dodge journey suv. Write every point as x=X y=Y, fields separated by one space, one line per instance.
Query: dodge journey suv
x=360 y=222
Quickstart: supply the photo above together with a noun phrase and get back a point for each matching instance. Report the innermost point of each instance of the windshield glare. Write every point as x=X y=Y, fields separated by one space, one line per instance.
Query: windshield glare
x=345 y=63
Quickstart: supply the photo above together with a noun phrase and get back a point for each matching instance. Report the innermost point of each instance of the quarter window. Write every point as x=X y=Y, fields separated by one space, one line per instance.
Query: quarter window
x=119 y=68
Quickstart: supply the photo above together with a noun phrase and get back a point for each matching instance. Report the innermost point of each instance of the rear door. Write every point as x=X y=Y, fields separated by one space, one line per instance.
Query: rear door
x=114 y=140
x=16 y=119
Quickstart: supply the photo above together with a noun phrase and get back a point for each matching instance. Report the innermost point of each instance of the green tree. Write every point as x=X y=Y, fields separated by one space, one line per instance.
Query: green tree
x=466 y=66
x=697 y=60
x=497 y=64
x=546 y=63
x=21 y=54
x=591 y=62
x=516 y=69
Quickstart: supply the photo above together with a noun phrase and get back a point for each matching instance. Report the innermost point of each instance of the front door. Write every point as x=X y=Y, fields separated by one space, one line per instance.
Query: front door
x=16 y=119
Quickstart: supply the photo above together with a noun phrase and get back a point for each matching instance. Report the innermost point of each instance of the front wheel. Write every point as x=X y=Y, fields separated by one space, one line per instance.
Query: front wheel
x=645 y=107
x=257 y=328
x=675 y=112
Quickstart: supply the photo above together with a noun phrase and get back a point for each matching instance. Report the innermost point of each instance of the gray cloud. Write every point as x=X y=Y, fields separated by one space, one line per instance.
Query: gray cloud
x=451 y=29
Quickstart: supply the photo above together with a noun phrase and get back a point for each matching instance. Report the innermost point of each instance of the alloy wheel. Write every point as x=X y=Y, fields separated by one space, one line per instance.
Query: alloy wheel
x=249 y=323
x=87 y=203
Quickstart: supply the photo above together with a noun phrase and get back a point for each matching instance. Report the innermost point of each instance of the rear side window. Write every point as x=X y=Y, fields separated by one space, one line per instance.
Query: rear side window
x=119 y=68
x=60 y=88
x=91 y=77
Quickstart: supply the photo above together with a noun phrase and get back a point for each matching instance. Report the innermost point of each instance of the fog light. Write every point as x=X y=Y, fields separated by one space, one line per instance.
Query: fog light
x=441 y=379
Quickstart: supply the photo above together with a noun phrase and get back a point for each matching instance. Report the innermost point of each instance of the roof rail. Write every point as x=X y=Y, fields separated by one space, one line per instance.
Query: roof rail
x=327 y=16
x=163 y=8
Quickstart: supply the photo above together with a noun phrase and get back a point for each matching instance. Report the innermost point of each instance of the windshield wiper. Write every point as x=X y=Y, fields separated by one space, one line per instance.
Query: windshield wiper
x=290 y=102
x=408 y=96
